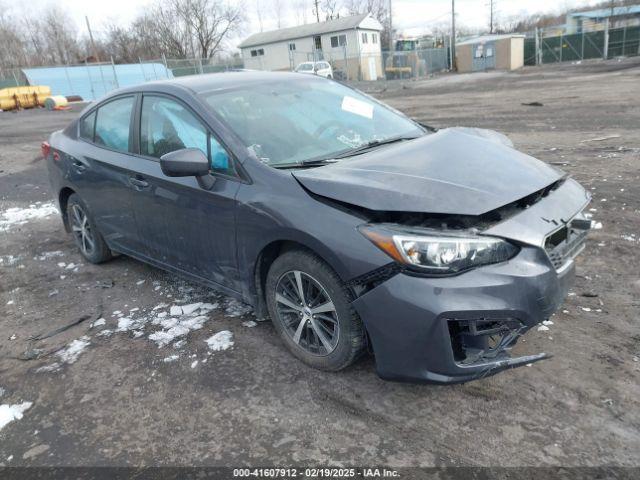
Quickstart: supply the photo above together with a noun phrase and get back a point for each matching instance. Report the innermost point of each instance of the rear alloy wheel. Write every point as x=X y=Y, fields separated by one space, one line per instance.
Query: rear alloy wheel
x=311 y=311
x=85 y=234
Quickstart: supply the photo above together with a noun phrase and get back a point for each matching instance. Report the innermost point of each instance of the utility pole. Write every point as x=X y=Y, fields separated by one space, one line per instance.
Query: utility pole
x=93 y=45
x=391 y=49
x=453 y=35
x=491 y=16
x=316 y=2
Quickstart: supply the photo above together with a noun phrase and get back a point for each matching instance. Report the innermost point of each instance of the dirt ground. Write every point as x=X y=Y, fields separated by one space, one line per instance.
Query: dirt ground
x=120 y=399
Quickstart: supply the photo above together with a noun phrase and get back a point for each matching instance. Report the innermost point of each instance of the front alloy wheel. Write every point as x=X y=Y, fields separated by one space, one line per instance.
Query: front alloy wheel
x=307 y=313
x=311 y=310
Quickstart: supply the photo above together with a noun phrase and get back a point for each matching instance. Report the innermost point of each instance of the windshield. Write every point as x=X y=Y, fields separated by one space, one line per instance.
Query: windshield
x=295 y=121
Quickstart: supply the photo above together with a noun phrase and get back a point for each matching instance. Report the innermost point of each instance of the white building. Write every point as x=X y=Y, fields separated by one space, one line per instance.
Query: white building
x=350 y=44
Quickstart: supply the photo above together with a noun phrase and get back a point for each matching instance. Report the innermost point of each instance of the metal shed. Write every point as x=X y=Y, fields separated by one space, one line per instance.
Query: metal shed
x=92 y=81
x=502 y=52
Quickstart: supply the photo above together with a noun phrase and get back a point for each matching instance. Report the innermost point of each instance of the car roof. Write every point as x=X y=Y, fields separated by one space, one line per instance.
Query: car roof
x=215 y=81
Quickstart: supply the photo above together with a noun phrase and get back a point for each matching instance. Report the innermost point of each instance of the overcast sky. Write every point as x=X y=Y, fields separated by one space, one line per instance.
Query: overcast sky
x=409 y=16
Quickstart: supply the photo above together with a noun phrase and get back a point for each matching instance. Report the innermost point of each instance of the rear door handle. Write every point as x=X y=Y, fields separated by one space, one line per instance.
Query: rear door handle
x=138 y=182
x=79 y=166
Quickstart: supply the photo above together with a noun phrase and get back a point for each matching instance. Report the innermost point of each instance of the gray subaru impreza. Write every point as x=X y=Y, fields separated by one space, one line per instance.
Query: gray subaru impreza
x=352 y=227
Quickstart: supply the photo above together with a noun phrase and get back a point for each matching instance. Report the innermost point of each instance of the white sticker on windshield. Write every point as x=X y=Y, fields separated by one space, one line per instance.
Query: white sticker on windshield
x=353 y=105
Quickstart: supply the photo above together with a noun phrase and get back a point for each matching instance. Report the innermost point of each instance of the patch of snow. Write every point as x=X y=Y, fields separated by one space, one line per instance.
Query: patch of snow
x=175 y=311
x=1 y=391
x=72 y=351
x=629 y=238
x=9 y=260
x=105 y=333
x=124 y=324
x=234 y=308
x=10 y=302
x=20 y=216
x=140 y=282
x=543 y=328
x=194 y=364
x=189 y=309
x=170 y=358
x=547 y=322
x=249 y=324
x=596 y=225
x=179 y=344
x=99 y=322
x=585 y=309
x=53 y=367
x=48 y=255
x=9 y=413
x=220 y=341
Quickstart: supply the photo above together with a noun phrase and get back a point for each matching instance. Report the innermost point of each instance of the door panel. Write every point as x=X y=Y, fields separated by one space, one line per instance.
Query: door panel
x=103 y=183
x=100 y=171
x=187 y=227
x=182 y=224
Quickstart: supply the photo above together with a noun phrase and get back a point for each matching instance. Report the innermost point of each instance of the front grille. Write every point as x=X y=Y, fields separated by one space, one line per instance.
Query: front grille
x=564 y=244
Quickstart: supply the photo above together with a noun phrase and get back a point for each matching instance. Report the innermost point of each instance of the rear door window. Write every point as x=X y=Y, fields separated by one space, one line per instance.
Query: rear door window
x=113 y=121
x=87 y=125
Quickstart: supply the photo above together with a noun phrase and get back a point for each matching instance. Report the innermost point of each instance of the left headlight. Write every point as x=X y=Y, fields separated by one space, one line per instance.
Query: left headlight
x=439 y=252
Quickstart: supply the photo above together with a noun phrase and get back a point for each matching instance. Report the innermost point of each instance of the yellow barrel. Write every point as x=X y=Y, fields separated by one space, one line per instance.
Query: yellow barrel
x=23 y=97
x=50 y=103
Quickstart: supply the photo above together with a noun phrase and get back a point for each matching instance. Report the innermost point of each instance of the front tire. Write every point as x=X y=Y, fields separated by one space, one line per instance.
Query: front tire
x=311 y=311
x=85 y=233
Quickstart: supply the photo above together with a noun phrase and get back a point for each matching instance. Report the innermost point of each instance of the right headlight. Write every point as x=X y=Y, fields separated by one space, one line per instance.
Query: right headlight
x=438 y=252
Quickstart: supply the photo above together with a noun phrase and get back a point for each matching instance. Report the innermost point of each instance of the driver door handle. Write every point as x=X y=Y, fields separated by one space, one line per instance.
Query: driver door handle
x=138 y=182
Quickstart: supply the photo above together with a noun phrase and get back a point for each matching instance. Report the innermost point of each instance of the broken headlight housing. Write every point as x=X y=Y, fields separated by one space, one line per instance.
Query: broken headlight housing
x=438 y=253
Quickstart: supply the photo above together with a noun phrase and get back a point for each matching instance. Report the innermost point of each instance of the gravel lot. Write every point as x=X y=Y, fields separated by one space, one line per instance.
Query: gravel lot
x=120 y=399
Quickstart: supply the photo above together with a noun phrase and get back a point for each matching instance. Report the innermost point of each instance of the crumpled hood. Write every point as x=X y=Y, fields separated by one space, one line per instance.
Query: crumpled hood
x=453 y=171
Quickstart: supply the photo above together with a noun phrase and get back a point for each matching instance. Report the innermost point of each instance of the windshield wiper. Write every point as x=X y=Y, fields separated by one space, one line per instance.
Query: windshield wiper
x=314 y=162
x=307 y=163
x=370 y=145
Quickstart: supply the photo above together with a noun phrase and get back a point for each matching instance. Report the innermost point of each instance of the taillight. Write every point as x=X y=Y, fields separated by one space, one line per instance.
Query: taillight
x=45 y=148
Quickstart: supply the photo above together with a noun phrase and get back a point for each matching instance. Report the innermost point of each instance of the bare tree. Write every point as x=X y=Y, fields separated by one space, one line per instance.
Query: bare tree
x=209 y=22
x=279 y=11
x=331 y=9
x=259 y=13
x=301 y=10
x=378 y=9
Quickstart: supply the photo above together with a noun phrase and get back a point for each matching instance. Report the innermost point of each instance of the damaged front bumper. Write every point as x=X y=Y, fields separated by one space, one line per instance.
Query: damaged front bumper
x=448 y=330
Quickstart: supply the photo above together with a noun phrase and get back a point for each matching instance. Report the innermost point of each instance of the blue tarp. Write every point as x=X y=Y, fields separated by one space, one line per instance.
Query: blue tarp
x=93 y=81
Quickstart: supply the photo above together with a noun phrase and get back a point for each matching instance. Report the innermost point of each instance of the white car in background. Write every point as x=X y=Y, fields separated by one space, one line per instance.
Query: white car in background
x=322 y=69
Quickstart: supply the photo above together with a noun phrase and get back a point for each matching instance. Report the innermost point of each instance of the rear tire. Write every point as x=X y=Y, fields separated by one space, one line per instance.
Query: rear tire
x=86 y=235
x=324 y=332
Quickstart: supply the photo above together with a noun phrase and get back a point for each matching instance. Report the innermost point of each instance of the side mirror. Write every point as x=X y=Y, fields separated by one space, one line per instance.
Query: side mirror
x=188 y=162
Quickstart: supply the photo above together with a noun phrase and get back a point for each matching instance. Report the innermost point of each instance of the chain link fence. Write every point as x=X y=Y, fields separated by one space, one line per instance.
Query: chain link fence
x=608 y=43
x=93 y=80
x=383 y=65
